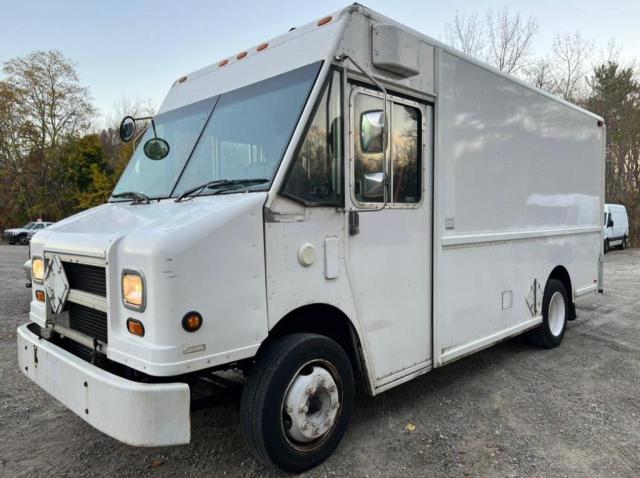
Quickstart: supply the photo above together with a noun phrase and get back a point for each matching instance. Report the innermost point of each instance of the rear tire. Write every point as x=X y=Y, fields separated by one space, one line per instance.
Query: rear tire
x=555 y=312
x=297 y=401
x=623 y=244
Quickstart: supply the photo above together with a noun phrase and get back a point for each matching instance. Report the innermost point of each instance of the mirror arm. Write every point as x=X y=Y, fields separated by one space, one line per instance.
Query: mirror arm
x=385 y=166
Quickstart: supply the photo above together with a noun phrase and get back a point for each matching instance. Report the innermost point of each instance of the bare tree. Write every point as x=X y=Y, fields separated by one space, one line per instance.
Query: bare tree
x=51 y=95
x=466 y=33
x=510 y=39
x=571 y=54
x=502 y=39
x=540 y=74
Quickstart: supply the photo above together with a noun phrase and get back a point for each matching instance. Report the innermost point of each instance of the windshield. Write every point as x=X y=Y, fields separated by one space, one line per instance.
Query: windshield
x=249 y=131
x=180 y=128
x=29 y=225
x=245 y=137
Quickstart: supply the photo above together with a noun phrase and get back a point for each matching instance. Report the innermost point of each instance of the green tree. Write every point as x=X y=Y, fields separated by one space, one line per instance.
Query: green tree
x=615 y=95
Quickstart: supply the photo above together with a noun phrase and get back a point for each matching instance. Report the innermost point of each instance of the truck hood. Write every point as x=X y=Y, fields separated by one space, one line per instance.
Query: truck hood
x=94 y=231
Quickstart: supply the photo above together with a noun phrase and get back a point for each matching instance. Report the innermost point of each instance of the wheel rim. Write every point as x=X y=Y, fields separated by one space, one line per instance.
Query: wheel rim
x=311 y=405
x=556 y=313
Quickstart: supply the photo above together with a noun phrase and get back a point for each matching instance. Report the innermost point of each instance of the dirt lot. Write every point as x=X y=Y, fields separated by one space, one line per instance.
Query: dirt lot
x=512 y=410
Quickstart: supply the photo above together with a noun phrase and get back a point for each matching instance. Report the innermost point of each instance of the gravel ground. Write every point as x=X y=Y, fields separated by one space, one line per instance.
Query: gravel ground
x=511 y=410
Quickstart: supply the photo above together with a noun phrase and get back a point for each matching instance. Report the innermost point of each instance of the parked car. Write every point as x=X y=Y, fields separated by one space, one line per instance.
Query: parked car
x=22 y=235
x=616 y=227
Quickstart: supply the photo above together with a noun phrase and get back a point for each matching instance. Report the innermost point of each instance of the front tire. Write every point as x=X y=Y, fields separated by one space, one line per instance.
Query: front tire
x=555 y=312
x=297 y=401
x=606 y=246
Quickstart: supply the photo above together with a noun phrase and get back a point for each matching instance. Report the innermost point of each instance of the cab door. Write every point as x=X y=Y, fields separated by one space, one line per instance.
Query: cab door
x=389 y=242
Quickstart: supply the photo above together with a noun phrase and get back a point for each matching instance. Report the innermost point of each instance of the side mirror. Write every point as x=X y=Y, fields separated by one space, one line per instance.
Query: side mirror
x=610 y=223
x=127 y=129
x=373 y=185
x=156 y=148
x=371 y=128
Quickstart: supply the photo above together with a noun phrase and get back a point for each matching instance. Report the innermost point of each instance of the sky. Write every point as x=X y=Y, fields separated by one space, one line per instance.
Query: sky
x=137 y=49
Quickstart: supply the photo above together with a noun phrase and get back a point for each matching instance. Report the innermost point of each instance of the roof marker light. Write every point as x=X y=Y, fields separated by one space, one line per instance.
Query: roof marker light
x=182 y=79
x=223 y=62
x=240 y=56
x=324 y=21
x=262 y=46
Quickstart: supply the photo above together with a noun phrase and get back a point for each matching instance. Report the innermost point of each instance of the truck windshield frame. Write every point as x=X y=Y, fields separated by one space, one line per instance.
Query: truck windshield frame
x=268 y=128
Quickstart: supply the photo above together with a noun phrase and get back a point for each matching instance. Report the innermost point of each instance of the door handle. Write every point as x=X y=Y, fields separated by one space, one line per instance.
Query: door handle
x=354 y=223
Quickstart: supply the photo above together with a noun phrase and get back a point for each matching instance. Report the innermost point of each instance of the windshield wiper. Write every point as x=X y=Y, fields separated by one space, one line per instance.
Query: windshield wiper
x=223 y=184
x=138 y=198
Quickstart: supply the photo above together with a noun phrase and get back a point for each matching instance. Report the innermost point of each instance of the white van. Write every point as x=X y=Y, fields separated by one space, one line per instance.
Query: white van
x=351 y=201
x=616 y=227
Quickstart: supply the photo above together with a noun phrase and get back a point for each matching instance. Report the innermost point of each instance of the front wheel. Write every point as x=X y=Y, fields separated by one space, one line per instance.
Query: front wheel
x=297 y=401
x=606 y=246
x=555 y=311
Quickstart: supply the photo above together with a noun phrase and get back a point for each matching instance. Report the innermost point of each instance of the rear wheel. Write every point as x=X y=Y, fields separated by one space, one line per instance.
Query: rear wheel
x=623 y=243
x=555 y=311
x=297 y=401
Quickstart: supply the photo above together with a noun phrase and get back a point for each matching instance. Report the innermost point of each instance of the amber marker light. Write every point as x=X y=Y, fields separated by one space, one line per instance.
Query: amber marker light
x=240 y=56
x=324 y=21
x=262 y=46
x=40 y=295
x=191 y=321
x=223 y=62
x=135 y=327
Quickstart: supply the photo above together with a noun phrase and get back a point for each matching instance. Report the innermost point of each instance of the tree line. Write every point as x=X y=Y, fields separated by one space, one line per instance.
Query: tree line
x=54 y=161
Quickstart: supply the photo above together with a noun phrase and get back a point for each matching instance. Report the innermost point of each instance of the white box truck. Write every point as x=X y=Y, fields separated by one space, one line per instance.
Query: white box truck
x=351 y=201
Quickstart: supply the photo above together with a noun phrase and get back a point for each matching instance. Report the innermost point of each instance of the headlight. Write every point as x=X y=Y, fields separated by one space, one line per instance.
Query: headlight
x=133 y=293
x=37 y=269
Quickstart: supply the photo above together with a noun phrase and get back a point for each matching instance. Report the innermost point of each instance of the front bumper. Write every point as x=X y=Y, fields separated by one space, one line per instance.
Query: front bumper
x=139 y=414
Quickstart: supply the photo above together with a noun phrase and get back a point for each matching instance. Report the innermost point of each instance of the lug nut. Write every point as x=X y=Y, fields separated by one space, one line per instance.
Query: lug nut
x=305 y=426
x=332 y=388
x=289 y=409
x=303 y=408
x=334 y=405
x=310 y=390
x=316 y=431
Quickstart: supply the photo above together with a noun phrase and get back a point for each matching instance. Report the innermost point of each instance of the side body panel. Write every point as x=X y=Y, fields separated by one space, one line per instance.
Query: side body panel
x=519 y=193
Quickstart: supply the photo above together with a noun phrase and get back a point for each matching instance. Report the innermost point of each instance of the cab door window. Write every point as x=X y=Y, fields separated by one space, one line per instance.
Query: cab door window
x=405 y=151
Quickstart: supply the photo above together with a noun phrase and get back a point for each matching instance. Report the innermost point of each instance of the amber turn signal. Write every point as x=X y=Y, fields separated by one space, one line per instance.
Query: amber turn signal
x=40 y=295
x=135 y=327
x=191 y=321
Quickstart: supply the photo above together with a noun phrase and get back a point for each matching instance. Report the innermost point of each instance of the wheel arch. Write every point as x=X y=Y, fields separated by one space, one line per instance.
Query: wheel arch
x=330 y=321
x=562 y=274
